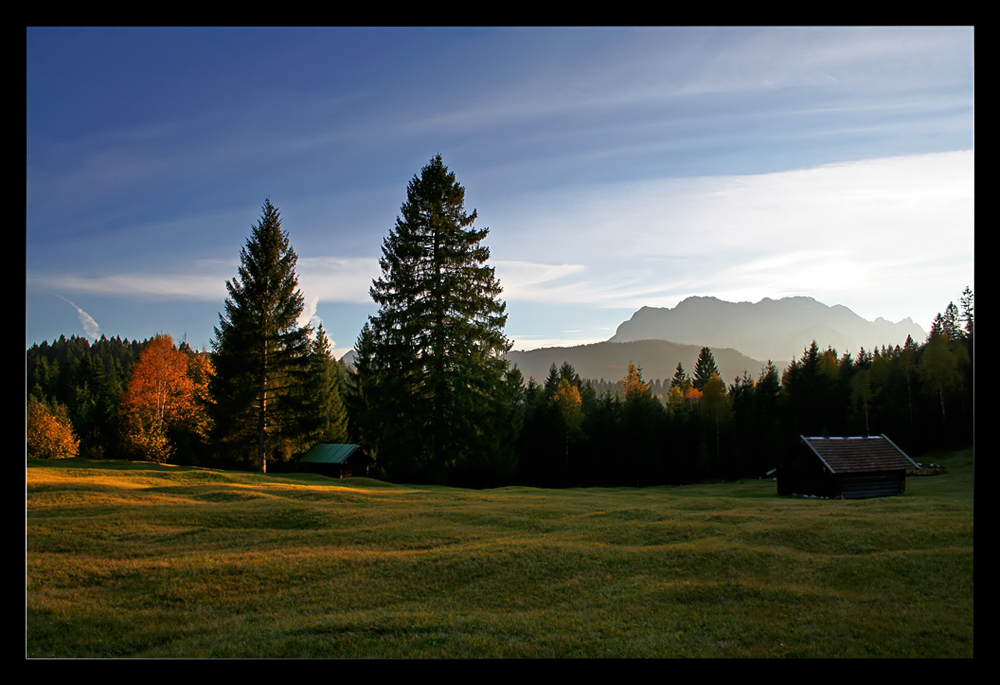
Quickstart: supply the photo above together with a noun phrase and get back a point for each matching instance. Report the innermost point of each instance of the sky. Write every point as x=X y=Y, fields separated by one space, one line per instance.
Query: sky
x=616 y=168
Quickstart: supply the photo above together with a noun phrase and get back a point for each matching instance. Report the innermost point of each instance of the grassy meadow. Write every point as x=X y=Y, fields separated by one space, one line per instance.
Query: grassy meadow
x=144 y=560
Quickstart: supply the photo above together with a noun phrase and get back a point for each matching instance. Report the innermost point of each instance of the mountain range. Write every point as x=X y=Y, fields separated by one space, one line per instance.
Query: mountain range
x=769 y=329
x=741 y=335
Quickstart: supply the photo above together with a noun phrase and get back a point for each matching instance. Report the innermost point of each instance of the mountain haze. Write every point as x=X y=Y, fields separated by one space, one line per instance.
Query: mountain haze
x=769 y=329
x=741 y=335
x=610 y=360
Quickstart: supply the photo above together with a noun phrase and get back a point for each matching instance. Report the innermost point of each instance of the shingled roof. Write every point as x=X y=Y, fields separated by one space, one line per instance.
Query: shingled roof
x=856 y=455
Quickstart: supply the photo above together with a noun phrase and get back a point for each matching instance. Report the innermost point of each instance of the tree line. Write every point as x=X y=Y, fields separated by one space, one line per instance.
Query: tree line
x=432 y=398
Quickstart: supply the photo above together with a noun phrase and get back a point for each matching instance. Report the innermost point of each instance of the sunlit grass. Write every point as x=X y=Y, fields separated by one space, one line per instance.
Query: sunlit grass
x=159 y=561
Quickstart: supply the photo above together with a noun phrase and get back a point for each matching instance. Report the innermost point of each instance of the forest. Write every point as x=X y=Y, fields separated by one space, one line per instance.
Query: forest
x=432 y=398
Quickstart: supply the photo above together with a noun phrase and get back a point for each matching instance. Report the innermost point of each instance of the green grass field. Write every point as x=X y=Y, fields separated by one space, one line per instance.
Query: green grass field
x=142 y=560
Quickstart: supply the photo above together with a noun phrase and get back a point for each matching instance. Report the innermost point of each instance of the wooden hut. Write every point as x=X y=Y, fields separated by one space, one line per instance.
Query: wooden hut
x=849 y=468
x=335 y=460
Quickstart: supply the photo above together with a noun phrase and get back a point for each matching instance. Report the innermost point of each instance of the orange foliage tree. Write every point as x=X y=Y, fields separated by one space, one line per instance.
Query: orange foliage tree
x=164 y=393
x=632 y=384
x=49 y=433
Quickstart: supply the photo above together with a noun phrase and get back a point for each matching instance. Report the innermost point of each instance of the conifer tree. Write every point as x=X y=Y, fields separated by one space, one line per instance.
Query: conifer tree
x=951 y=322
x=430 y=362
x=327 y=406
x=680 y=380
x=704 y=369
x=968 y=310
x=261 y=353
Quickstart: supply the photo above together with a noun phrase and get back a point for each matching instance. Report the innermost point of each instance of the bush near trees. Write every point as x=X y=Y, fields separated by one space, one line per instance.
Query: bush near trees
x=49 y=434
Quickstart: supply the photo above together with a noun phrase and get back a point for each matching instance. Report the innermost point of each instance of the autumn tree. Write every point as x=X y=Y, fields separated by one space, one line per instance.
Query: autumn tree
x=716 y=410
x=938 y=369
x=164 y=395
x=430 y=362
x=261 y=353
x=642 y=416
x=633 y=387
x=567 y=404
x=49 y=434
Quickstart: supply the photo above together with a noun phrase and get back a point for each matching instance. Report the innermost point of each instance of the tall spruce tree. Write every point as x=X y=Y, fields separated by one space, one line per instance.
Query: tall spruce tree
x=261 y=354
x=430 y=363
x=704 y=369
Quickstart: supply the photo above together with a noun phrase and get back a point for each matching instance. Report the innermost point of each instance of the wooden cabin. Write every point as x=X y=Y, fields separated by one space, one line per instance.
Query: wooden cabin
x=848 y=468
x=335 y=460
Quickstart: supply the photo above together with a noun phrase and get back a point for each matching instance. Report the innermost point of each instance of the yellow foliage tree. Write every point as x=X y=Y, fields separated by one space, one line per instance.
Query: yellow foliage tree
x=569 y=403
x=716 y=408
x=49 y=434
x=632 y=384
x=675 y=400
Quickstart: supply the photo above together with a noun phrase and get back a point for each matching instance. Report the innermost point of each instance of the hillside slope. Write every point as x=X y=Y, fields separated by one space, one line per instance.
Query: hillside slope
x=610 y=360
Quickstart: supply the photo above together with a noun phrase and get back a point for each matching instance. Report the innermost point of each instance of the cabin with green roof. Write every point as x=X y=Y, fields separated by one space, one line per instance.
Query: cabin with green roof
x=335 y=460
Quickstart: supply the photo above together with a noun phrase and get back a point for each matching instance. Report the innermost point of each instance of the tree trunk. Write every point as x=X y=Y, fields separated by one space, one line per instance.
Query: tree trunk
x=261 y=459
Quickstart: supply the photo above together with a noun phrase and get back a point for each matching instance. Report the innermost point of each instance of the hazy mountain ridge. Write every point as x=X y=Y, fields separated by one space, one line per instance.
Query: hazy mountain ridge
x=609 y=360
x=769 y=329
x=741 y=335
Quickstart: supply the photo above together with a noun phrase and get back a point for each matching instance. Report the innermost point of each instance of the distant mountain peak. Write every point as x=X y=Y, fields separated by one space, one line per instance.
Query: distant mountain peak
x=770 y=329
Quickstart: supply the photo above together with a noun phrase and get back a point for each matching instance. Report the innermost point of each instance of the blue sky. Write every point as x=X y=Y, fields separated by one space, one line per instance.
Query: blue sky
x=615 y=168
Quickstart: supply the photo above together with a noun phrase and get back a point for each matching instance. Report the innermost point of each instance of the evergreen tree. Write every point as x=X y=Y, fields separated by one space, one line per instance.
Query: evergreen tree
x=807 y=391
x=680 y=380
x=704 y=368
x=968 y=310
x=261 y=353
x=951 y=322
x=327 y=405
x=430 y=363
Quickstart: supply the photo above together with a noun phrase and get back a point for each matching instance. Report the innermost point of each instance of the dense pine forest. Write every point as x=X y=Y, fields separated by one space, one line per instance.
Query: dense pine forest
x=433 y=400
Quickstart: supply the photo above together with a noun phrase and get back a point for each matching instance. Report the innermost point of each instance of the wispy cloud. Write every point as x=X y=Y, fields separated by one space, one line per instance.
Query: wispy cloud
x=90 y=327
x=338 y=279
x=308 y=316
x=138 y=286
